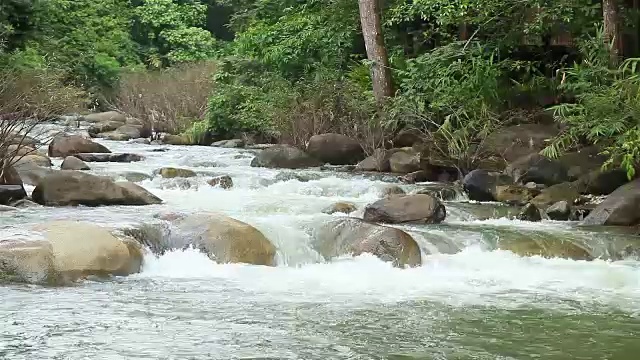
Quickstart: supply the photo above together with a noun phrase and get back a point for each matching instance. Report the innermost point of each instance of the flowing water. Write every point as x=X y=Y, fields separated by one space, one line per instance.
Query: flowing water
x=468 y=300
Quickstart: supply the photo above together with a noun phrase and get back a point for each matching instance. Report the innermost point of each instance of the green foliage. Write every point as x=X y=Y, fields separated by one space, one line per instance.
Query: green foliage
x=173 y=31
x=606 y=110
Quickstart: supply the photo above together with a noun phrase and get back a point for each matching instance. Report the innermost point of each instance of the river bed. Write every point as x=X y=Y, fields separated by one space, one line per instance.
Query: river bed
x=467 y=301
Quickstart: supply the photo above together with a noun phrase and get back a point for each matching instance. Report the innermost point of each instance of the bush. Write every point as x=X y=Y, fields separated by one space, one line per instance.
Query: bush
x=167 y=100
x=606 y=110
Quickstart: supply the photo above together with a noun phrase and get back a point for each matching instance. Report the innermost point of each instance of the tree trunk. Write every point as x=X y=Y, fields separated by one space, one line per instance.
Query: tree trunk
x=612 y=29
x=376 y=51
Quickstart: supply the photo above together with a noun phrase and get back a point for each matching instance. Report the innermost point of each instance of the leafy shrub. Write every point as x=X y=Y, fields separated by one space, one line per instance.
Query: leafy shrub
x=606 y=110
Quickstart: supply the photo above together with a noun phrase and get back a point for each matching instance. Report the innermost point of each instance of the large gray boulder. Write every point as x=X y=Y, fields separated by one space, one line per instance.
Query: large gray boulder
x=404 y=161
x=480 y=185
x=335 y=149
x=65 y=145
x=513 y=142
x=621 y=207
x=284 y=156
x=120 y=158
x=421 y=208
x=105 y=117
x=538 y=169
x=11 y=193
x=344 y=236
x=65 y=187
x=73 y=163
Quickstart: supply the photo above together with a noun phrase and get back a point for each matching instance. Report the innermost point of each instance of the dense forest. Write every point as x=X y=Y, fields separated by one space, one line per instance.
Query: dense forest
x=452 y=71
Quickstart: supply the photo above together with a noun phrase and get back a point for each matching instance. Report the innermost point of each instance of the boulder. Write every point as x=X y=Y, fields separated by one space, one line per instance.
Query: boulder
x=480 y=185
x=176 y=140
x=513 y=142
x=539 y=169
x=583 y=161
x=560 y=211
x=408 y=138
x=139 y=192
x=335 y=149
x=621 y=207
x=32 y=174
x=378 y=161
x=530 y=212
x=66 y=187
x=228 y=240
x=420 y=208
x=65 y=145
x=11 y=193
x=170 y=173
x=73 y=163
x=22 y=140
x=10 y=176
x=122 y=133
x=404 y=161
x=284 y=156
x=35 y=159
x=344 y=236
x=224 y=182
x=514 y=194
x=103 y=127
x=136 y=176
x=81 y=249
x=21 y=150
x=599 y=182
x=415 y=177
x=119 y=158
x=7 y=208
x=568 y=192
x=340 y=207
x=229 y=144
x=27 y=261
x=105 y=117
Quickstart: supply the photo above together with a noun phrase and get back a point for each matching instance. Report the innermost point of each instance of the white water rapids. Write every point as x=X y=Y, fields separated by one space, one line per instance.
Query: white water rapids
x=466 y=301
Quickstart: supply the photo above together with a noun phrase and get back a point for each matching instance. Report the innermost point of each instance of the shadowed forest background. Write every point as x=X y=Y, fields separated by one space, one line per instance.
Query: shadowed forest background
x=284 y=70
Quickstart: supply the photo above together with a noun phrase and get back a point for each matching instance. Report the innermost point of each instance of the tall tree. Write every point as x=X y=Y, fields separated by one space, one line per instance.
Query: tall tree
x=370 y=19
x=612 y=28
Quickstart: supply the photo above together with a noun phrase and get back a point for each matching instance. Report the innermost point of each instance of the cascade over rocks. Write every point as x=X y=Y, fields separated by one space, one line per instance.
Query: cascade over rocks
x=73 y=163
x=420 y=208
x=335 y=149
x=227 y=240
x=481 y=185
x=66 y=187
x=65 y=145
x=343 y=236
x=621 y=207
x=284 y=156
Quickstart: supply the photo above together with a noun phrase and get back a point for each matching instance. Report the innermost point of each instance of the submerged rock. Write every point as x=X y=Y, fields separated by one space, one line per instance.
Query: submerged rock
x=170 y=173
x=545 y=247
x=66 y=187
x=621 y=207
x=65 y=145
x=335 y=149
x=224 y=182
x=227 y=240
x=420 y=208
x=73 y=163
x=284 y=156
x=340 y=207
x=392 y=190
x=344 y=236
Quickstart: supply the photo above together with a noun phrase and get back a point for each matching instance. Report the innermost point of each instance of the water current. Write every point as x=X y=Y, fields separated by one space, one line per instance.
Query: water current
x=468 y=300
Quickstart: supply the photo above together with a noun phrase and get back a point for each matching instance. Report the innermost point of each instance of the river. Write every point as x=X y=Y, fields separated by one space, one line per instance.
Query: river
x=467 y=301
